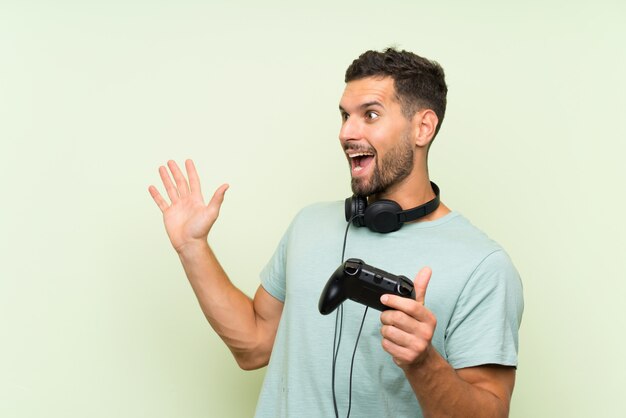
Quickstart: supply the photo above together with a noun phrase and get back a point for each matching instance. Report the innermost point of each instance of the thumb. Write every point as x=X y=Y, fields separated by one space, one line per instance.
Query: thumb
x=421 y=283
x=218 y=198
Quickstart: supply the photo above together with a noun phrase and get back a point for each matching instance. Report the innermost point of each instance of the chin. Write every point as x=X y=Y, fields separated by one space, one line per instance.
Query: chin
x=361 y=188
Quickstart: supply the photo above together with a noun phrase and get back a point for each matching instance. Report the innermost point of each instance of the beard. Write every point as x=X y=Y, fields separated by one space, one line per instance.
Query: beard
x=394 y=167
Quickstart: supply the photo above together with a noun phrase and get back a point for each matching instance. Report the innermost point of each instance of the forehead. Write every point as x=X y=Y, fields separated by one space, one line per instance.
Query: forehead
x=368 y=90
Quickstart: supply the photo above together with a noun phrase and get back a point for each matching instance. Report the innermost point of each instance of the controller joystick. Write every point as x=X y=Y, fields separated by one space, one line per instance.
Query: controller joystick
x=360 y=282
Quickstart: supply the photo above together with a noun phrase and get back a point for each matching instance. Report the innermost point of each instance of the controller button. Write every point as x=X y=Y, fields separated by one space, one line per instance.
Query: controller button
x=351 y=269
x=403 y=289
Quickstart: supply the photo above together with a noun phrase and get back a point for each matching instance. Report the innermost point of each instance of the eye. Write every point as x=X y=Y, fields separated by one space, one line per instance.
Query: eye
x=344 y=116
x=371 y=115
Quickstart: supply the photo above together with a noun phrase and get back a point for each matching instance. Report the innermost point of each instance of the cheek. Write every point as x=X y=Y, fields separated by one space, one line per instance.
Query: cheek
x=383 y=140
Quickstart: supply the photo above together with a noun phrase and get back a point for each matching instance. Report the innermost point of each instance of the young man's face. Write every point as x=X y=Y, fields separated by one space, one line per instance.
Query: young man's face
x=375 y=135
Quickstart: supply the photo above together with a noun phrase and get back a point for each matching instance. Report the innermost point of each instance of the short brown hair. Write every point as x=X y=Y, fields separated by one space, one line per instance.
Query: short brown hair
x=419 y=83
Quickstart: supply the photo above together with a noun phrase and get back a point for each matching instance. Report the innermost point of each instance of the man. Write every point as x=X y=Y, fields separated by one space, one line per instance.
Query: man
x=450 y=352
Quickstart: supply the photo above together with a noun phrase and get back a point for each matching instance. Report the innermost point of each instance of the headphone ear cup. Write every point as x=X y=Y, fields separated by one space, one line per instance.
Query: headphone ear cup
x=382 y=216
x=355 y=208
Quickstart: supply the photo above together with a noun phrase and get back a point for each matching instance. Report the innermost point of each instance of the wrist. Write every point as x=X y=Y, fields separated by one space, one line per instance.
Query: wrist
x=192 y=248
x=423 y=363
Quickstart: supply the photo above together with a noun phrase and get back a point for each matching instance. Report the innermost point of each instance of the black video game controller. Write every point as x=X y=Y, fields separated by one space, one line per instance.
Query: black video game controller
x=362 y=283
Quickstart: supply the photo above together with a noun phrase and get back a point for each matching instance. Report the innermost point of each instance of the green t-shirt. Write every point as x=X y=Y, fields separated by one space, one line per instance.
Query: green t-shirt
x=475 y=293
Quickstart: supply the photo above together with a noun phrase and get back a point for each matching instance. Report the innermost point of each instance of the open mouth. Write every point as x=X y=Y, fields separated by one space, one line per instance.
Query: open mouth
x=359 y=160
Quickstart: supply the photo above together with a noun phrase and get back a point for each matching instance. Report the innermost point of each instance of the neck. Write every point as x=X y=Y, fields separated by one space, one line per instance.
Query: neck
x=414 y=191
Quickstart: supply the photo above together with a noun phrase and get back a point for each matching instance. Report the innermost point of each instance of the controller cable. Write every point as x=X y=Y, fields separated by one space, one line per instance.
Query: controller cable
x=337 y=338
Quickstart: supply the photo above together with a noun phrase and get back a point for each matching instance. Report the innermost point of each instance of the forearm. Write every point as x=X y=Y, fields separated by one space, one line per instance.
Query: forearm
x=441 y=392
x=229 y=311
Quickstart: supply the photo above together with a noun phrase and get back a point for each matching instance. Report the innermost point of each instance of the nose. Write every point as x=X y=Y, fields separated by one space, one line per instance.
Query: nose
x=350 y=130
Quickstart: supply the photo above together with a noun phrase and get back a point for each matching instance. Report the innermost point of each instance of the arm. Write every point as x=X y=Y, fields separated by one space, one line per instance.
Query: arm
x=483 y=391
x=247 y=326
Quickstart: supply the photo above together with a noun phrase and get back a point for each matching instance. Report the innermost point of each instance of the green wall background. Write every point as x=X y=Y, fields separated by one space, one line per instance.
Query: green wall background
x=96 y=316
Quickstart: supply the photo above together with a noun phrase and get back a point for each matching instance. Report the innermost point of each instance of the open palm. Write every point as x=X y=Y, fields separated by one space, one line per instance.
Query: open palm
x=187 y=219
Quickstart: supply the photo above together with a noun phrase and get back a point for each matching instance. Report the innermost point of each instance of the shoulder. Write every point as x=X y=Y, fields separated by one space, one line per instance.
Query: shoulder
x=466 y=231
x=320 y=209
x=491 y=270
x=317 y=219
x=321 y=212
x=463 y=254
x=455 y=235
x=488 y=253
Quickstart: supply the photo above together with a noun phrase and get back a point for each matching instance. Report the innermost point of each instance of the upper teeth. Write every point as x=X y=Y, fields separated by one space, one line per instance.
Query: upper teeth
x=359 y=154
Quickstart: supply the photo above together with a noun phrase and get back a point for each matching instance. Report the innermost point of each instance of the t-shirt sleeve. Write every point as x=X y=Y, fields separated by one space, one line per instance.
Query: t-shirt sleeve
x=484 y=325
x=273 y=275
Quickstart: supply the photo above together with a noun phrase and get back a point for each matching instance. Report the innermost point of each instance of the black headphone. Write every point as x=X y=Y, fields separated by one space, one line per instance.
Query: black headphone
x=386 y=215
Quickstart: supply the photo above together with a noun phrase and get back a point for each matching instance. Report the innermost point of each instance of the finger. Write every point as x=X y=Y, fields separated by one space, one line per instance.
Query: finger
x=421 y=284
x=404 y=313
x=401 y=355
x=399 y=327
x=396 y=335
x=218 y=198
x=192 y=175
x=179 y=178
x=403 y=306
x=161 y=203
x=172 y=193
x=406 y=305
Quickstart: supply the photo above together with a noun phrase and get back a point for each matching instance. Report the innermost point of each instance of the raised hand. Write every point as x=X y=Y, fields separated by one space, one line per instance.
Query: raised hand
x=409 y=326
x=187 y=218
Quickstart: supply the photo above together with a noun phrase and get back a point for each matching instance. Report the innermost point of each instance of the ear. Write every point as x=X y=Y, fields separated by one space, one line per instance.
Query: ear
x=424 y=123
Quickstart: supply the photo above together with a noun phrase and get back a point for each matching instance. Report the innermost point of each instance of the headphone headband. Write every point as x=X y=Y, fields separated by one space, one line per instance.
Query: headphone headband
x=386 y=215
x=422 y=210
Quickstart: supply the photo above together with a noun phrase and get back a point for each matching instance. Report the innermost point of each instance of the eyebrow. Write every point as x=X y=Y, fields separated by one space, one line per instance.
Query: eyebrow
x=365 y=105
